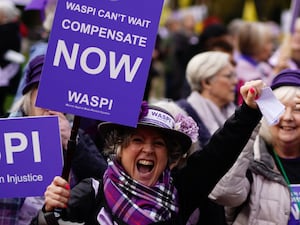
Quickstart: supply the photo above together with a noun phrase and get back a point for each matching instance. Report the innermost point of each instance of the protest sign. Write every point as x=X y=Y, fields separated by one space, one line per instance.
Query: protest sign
x=98 y=58
x=30 y=155
x=294 y=10
x=295 y=199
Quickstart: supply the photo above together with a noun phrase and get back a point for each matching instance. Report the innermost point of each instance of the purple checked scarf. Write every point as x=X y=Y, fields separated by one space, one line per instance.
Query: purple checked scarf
x=138 y=204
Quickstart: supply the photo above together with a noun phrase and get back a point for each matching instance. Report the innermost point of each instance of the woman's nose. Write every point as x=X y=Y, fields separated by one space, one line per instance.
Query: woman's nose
x=148 y=148
x=288 y=114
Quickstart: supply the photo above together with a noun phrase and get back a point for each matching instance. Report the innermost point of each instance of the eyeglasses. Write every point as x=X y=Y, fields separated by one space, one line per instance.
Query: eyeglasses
x=230 y=76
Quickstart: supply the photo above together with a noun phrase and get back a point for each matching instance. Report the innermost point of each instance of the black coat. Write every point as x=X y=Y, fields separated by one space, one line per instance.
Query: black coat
x=10 y=40
x=206 y=167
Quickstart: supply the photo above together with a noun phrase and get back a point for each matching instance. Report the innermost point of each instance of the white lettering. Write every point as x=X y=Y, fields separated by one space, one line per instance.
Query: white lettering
x=124 y=61
x=61 y=49
x=105 y=33
x=73 y=97
x=36 y=146
x=295 y=211
x=111 y=15
x=10 y=149
x=80 y=8
x=138 y=22
x=93 y=101
x=83 y=60
x=115 y=67
x=24 y=178
x=84 y=99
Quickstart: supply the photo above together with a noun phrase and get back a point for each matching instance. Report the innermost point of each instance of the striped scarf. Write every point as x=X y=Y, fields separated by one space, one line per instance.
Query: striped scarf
x=138 y=204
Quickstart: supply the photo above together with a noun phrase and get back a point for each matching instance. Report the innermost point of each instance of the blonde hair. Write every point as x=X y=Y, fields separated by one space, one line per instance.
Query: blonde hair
x=8 y=12
x=24 y=104
x=252 y=36
x=204 y=66
x=283 y=93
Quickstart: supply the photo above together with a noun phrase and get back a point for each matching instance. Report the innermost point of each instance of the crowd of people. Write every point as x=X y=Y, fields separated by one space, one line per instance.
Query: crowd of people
x=202 y=152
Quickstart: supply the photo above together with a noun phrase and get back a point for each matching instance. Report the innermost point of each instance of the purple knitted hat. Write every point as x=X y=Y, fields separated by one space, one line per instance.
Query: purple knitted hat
x=286 y=77
x=33 y=72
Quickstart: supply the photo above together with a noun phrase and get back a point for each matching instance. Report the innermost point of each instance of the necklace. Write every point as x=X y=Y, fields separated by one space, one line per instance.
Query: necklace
x=286 y=178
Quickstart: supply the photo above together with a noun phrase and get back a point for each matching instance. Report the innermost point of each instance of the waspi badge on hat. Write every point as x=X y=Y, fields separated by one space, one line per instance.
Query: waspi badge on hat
x=182 y=128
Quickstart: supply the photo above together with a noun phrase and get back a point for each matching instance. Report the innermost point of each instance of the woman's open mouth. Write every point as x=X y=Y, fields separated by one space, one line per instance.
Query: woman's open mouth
x=145 y=166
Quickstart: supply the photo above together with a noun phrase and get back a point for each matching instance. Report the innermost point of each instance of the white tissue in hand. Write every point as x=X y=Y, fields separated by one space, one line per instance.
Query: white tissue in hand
x=270 y=106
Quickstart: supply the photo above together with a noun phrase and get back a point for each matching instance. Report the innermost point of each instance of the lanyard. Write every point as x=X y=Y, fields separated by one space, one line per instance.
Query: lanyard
x=286 y=177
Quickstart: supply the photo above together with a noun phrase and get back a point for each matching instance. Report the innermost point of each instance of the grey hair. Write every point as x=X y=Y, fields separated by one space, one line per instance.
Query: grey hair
x=283 y=93
x=24 y=103
x=204 y=66
x=252 y=36
x=8 y=12
x=174 y=110
x=235 y=25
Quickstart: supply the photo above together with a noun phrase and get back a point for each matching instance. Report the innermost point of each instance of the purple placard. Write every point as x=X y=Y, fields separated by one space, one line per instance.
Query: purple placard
x=295 y=211
x=98 y=58
x=30 y=155
x=295 y=7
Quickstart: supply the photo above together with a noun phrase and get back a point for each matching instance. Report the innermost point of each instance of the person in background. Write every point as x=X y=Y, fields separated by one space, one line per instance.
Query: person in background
x=214 y=37
x=137 y=187
x=212 y=34
x=288 y=53
x=38 y=16
x=153 y=71
x=213 y=81
x=86 y=163
x=263 y=185
x=11 y=211
x=10 y=56
x=177 y=54
x=255 y=45
x=233 y=29
x=217 y=37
